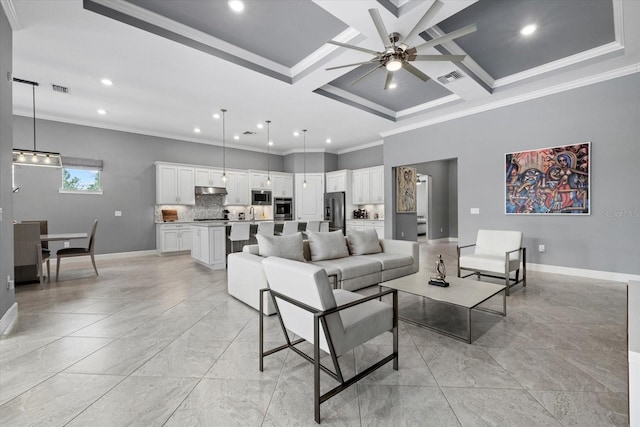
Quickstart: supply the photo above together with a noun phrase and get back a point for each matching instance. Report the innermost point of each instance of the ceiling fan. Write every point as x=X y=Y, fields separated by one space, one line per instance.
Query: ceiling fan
x=397 y=54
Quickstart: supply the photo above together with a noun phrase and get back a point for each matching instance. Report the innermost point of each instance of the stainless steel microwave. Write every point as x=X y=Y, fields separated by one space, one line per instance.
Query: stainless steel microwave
x=260 y=197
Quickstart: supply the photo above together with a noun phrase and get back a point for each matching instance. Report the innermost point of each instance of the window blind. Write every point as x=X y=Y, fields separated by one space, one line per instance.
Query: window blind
x=80 y=163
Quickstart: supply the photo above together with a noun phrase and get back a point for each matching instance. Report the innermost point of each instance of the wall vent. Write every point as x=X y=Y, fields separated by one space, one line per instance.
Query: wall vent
x=248 y=132
x=59 y=89
x=448 y=78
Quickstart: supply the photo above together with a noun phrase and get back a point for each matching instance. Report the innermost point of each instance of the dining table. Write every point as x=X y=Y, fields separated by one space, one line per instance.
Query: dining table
x=62 y=237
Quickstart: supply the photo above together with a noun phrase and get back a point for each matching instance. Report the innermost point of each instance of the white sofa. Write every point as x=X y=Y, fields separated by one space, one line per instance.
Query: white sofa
x=245 y=275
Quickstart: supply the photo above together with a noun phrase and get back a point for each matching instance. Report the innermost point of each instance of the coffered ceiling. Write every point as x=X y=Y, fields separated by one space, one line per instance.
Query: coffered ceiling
x=175 y=63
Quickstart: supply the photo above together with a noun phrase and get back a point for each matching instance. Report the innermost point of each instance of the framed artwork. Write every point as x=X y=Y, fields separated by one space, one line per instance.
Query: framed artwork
x=549 y=181
x=405 y=189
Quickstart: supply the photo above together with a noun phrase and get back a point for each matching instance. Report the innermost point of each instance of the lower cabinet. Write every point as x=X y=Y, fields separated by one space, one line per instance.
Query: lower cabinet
x=173 y=238
x=209 y=246
x=361 y=224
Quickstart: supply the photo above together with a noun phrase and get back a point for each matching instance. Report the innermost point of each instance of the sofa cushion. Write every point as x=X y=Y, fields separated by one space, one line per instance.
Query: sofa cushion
x=362 y=242
x=389 y=261
x=325 y=245
x=288 y=246
x=351 y=267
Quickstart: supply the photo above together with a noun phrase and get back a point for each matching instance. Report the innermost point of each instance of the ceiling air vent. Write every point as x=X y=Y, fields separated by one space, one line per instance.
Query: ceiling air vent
x=60 y=89
x=248 y=132
x=448 y=78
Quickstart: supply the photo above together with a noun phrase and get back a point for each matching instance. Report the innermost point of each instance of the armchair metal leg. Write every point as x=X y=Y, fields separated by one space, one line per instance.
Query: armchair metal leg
x=524 y=267
x=316 y=367
x=395 y=330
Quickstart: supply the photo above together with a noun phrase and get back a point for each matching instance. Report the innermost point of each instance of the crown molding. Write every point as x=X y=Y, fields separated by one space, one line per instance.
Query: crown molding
x=12 y=15
x=361 y=147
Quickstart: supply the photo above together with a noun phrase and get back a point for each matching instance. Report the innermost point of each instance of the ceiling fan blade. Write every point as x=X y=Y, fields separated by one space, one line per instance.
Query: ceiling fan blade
x=382 y=30
x=423 y=23
x=388 y=81
x=364 y=75
x=447 y=37
x=452 y=58
x=373 y=61
x=413 y=70
x=350 y=46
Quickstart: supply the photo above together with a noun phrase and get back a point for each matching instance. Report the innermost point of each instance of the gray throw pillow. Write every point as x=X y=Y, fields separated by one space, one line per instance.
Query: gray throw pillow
x=327 y=245
x=362 y=242
x=289 y=246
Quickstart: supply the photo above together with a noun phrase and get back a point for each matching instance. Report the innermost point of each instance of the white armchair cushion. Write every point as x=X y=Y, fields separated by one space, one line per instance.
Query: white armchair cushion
x=498 y=242
x=288 y=246
x=330 y=245
x=362 y=242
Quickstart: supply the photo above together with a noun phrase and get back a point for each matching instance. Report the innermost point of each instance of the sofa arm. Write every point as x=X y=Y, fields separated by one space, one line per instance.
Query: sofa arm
x=245 y=278
x=403 y=247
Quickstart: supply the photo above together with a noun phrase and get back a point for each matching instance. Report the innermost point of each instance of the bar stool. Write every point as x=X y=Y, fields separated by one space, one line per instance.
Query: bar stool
x=290 y=227
x=239 y=233
x=266 y=228
x=324 y=227
x=313 y=226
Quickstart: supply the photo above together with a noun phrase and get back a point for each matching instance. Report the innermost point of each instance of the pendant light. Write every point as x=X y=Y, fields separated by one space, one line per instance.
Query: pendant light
x=268 y=155
x=35 y=157
x=224 y=160
x=304 y=157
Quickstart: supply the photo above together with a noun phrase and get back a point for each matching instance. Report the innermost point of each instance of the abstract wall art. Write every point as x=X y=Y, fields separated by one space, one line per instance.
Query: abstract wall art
x=553 y=180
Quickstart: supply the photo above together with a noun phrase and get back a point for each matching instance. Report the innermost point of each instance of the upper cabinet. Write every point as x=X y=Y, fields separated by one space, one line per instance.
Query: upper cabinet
x=206 y=177
x=237 y=188
x=175 y=184
x=259 y=180
x=338 y=181
x=368 y=186
x=282 y=184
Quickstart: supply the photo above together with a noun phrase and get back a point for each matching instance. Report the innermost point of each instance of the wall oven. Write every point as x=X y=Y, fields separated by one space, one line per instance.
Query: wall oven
x=261 y=197
x=283 y=209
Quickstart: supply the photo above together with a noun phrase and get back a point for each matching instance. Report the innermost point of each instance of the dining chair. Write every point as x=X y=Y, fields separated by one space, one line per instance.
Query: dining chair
x=27 y=249
x=266 y=228
x=73 y=252
x=44 y=229
x=239 y=233
x=290 y=227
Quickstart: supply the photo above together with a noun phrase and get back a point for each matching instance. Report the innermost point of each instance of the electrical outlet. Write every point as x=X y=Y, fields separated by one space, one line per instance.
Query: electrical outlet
x=442 y=230
x=66 y=244
x=10 y=283
x=475 y=211
x=541 y=248
x=402 y=234
x=118 y=213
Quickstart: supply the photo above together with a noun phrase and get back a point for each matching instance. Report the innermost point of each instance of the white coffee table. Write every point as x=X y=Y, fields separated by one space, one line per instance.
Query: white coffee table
x=464 y=293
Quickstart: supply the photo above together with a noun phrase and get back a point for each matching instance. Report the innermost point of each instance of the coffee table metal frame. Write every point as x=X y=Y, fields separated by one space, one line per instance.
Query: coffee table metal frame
x=463 y=293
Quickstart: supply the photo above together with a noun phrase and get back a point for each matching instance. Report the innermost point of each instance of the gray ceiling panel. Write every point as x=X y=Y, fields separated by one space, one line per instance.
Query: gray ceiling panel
x=562 y=31
x=410 y=92
x=283 y=31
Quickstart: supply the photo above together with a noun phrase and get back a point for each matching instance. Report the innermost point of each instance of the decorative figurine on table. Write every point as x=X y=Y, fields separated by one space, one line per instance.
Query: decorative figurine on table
x=438 y=279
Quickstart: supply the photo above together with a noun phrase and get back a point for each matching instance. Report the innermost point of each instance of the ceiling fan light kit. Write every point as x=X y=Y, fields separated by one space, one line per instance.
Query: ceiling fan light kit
x=398 y=54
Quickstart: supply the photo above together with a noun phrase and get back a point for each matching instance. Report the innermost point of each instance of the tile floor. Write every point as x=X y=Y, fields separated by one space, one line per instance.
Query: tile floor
x=157 y=341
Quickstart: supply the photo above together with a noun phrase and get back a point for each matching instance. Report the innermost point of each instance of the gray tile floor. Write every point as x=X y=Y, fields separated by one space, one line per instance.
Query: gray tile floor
x=157 y=341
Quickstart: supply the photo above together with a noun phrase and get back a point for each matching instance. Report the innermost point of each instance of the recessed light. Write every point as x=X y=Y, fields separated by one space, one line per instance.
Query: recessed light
x=106 y=82
x=216 y=116
x=270 y=142
x=196 y=130
x=528 y=30
x=260 y=125
x=236 y=137
x=393 y=85
x=328 y=141
x=236 y=5
x=102 y=111
x=296 y=133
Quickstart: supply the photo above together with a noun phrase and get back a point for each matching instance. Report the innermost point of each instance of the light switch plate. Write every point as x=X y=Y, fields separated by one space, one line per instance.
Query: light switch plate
x=475 y=211
x=541 y=248
x=118 y=213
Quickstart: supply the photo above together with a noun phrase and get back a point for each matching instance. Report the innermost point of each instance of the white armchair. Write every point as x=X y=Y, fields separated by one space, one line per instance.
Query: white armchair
x=335 y=321
x=498 y=253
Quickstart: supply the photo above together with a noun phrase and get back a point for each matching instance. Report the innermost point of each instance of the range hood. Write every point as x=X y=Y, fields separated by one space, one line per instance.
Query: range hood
x=211 y=190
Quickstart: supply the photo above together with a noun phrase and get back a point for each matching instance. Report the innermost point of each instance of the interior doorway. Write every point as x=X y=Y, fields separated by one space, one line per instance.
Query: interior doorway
x=422 y=207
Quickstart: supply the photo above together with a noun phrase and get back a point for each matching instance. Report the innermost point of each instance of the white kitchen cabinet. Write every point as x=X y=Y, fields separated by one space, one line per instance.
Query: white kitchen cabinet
x=338 y=181
x=376 y=187
x=259 y=180
x=282 y=184
x=175 y=184
x=209 y=246
x=309 y=201
x=237 y=189
x=206 y=177
x=173 y=238
x=368 y=186
x=361 y=224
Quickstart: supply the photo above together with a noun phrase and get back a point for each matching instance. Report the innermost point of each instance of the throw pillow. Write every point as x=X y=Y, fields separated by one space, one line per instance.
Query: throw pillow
x=289 y=246
x=327 y=245
x=362 y=242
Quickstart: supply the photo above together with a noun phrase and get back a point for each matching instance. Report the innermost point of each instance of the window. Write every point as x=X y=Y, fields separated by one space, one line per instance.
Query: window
x=81 y=176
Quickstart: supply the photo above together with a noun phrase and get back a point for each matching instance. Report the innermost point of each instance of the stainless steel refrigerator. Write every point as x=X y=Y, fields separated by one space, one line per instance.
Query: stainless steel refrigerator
x=334 y=211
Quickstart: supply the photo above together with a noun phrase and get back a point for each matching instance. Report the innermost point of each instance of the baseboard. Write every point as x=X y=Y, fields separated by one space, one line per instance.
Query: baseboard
x=114 y=255
x=634 y=388
x=444 y=240
x=9 y=317
x=581 y=272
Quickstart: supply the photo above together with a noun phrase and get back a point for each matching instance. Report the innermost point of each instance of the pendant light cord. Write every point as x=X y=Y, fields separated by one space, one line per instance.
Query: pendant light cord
x=224 y=131
x=34 y=116
x=268 y=152
x=304 y=154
